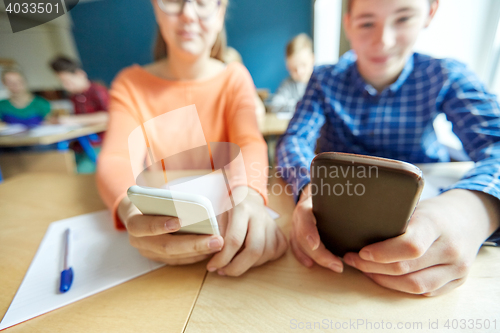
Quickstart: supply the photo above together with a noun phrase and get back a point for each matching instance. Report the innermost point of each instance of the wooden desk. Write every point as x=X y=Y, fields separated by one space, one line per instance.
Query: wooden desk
x=270 y=124
x=277 y=297
x=283 y=295
x=22 y=139
x=160 y=301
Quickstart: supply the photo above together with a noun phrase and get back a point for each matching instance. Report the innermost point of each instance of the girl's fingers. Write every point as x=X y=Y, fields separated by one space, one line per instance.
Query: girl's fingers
x=167 y=246
x=233 y=240
x=254 y=248
x=152 y=225
x=173 y=261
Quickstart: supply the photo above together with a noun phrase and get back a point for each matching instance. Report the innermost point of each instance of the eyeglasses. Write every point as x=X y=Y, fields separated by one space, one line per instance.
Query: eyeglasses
x=203 y=8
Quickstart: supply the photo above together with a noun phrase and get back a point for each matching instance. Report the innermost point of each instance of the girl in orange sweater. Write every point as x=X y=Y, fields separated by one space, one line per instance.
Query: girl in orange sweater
x=189 y=71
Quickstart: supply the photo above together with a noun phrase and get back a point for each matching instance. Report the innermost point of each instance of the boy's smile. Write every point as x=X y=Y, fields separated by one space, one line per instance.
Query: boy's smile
x=382 y=34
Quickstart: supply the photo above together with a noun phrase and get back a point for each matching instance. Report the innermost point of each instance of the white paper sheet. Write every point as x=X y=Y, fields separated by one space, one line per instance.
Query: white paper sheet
x=43 y=130
x=9 y=129
x=101 y=257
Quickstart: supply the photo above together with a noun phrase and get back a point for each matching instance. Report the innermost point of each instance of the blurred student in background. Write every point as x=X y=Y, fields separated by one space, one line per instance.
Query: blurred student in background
x=90 y=100
x=22 y=107
x=300 y=65
x=190 y=69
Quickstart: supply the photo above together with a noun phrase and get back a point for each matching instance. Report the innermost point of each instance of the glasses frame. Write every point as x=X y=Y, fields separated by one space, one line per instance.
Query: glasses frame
x=163 y=9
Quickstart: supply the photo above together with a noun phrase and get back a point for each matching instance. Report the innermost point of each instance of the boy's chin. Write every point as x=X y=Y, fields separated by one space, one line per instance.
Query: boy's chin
x=300 y=80
x=386 y=72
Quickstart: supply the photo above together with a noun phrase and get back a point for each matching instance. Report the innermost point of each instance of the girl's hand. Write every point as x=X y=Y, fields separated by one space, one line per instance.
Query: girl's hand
x=250 y=239
x=151 y=235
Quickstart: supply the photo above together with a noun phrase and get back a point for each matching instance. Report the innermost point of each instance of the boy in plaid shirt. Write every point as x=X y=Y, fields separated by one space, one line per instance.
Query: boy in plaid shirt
x=381 y=99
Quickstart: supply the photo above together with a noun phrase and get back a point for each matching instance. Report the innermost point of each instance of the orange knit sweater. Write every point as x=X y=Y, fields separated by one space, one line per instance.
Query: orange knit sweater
x=226 y=109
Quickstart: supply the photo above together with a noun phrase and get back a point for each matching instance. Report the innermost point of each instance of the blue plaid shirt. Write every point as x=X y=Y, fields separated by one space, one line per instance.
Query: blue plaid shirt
x=349 y=115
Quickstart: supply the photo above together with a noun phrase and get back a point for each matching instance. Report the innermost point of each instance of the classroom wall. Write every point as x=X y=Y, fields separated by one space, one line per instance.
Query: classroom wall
x=260 y=30
x=113 y=34
x=327 y=31
x=464 y=30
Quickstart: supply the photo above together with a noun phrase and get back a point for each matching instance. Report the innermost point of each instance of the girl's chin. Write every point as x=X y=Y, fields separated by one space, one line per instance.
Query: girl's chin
x=192 y=51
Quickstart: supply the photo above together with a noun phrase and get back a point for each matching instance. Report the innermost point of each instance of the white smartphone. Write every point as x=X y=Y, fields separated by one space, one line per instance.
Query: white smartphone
x=195 y=211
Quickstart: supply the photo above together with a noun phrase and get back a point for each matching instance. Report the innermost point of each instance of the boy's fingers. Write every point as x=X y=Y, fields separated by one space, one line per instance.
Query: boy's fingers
x=420 y=282
x=446 y=288
x=324 y=258
x=321 y=255
x=306 y=230
x=413 y=244
x=152 y=225
x=301 y=256
x=308 y=241
x=178 y=245
x=434 y=256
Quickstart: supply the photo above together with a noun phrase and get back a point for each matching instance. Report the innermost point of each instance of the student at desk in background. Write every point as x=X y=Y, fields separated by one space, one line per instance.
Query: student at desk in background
x=300 y=65
x=90 y=100
x=189 y=69
x=381 y=99
x=22 y=107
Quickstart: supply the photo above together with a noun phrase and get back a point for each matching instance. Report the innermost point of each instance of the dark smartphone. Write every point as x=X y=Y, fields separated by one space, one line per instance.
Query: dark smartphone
x=359 y=200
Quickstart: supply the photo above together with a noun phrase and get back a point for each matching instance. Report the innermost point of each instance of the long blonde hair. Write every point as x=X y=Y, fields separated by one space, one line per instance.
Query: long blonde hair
x=218 y=50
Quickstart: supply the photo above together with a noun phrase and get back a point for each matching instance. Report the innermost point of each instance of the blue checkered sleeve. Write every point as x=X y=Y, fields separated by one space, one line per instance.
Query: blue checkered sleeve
x=475 y=115
x=295 y=149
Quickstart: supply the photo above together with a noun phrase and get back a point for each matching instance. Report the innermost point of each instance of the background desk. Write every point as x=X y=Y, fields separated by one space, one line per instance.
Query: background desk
x=21 y=139
x=60 y=160
x=265 y=299
x=271 y=124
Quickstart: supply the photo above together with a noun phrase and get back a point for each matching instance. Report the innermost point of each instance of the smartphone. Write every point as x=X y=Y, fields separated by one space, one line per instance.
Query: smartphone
x=359 y=200
x=195 y=211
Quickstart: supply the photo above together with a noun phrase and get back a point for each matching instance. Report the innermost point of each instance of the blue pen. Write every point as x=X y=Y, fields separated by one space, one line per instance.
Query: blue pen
x=67 y=273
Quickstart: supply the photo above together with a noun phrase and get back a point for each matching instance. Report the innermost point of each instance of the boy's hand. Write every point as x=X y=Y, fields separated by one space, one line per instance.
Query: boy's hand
x=250 y=239
x=441 y=242
x=304 y=237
